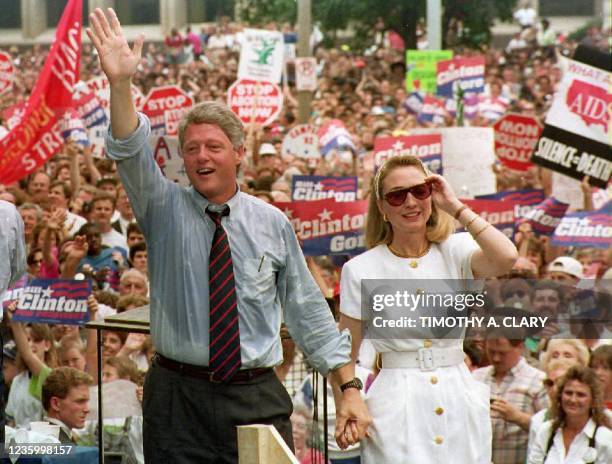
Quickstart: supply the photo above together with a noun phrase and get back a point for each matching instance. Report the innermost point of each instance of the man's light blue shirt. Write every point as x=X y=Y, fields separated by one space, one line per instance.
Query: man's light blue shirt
x=269 y=268
x=12 y=248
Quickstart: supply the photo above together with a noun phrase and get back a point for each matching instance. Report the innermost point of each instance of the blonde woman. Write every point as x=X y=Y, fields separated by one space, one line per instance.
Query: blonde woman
x=422 y=413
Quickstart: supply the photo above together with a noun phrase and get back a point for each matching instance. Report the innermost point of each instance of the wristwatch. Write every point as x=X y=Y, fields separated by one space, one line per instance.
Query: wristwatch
x=355 y=383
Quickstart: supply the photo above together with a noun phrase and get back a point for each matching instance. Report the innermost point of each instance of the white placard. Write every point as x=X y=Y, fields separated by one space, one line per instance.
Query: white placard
x=261 y=56
x=468 y=155
x=301 y=141
x=306 y=74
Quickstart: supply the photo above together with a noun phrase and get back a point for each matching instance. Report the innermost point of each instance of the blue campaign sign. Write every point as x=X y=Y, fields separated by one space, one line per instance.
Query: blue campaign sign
x=312 y=188
x=52 y=301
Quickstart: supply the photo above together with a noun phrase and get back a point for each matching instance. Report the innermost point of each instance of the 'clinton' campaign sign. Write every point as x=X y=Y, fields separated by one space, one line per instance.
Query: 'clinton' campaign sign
x=312 y=188
x=52 y=301
x=327 y=227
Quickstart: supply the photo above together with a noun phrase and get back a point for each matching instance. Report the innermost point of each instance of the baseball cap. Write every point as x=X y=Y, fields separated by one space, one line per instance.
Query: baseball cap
x=267 y=149
x=568 y=265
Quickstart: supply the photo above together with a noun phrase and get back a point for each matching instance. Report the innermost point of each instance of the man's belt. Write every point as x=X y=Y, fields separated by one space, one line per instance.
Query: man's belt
x=203 y=372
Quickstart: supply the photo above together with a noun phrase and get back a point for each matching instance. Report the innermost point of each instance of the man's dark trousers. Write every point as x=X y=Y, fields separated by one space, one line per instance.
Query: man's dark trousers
x=192 y=420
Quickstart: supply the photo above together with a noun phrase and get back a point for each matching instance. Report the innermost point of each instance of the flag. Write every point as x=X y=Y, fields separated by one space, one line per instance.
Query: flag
x=38 y=135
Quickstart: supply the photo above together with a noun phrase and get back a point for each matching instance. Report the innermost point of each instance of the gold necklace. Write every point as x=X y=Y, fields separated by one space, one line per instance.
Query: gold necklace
x=413 y=264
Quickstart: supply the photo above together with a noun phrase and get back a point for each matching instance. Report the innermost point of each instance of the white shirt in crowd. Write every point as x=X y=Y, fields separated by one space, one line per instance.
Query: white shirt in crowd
x=113 y=238
x=579 y=450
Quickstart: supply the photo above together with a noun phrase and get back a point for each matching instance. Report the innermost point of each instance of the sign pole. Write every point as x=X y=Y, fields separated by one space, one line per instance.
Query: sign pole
x=303 y=50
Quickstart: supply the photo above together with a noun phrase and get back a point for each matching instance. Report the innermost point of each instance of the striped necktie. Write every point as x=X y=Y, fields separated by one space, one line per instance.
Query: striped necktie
x=224 y=347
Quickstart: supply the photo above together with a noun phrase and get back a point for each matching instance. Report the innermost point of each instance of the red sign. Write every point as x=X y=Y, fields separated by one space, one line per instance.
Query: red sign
x=590 y=102
x=164 y=106
x=515 y=138
x=253 y=101
x=420 y=146
x=7 y=72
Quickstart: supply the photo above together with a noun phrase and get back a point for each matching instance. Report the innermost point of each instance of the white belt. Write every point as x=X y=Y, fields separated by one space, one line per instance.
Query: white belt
x=426 y=359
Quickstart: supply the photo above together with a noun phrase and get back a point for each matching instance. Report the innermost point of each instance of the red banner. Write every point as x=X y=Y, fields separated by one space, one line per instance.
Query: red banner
x=38 y=136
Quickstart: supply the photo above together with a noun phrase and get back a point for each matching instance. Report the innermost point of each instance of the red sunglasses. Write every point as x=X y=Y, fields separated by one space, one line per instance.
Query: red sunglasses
x=398 y=197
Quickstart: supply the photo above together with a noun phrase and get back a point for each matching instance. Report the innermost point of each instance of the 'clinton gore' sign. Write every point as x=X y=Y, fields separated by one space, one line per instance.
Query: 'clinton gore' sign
x=467 y=73
x=427 y=147
x=327 y=227
x=52 y=301
x=575 y=140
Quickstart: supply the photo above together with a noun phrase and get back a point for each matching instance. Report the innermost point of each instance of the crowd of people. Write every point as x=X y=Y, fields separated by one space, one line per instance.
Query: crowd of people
x=551 y=394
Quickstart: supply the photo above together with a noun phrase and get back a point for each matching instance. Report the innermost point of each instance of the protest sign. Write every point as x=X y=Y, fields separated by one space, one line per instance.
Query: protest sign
x=37 y=136
x=96 y=136
x=585 y=229
x=164 y=106
x=421 y=68
x=167 y=155
x=468 y=155
x=261 y=56
x=311 y=188
x=333 y=135
x=72 y=128
x=414 y=102
x=52 y=301
x=301 y=141
x=465 y=73
x=427 y=147
x=306 y=74
x=7 y=72
x=546 y=216
x=101 y=87
x=575 y=140
x=88 y=106
x=515 y=138
x=13 y=115
x=327 y=227
x=492 y=108
x=432 y=110
x=258 y=102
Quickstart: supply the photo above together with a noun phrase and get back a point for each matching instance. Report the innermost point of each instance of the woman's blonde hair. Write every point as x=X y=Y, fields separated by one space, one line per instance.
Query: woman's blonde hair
x=582 y=352
x=439 y=225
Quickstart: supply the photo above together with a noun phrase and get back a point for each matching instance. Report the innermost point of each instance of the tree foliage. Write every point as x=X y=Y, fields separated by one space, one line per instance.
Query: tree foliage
x=398 y=15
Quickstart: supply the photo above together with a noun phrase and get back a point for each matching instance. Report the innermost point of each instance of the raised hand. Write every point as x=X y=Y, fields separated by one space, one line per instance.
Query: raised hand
x=442 y=194
x=118 y=61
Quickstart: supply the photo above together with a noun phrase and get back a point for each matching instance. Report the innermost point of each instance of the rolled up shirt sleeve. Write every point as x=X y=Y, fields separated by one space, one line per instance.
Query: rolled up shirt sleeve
x=307 y=314
x=143 y=180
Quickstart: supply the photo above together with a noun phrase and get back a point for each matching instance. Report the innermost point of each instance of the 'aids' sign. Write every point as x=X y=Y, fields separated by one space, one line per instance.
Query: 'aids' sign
x=164 y=106
x=515 y=138
x=252 y=101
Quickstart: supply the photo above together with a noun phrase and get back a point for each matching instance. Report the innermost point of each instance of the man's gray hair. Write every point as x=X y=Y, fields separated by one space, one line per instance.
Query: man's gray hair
x=35 y=207
x=212 y=112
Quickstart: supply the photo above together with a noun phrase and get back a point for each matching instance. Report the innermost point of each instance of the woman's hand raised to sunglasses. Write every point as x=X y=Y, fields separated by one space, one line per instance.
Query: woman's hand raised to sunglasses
x=442 y=194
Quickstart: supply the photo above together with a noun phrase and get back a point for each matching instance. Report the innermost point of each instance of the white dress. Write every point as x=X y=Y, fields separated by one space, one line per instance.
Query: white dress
x=424 y=417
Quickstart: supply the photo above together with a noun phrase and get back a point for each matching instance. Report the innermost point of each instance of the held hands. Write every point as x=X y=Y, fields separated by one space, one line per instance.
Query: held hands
x=443 y=195
x=118 y=61
x=352 y=419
